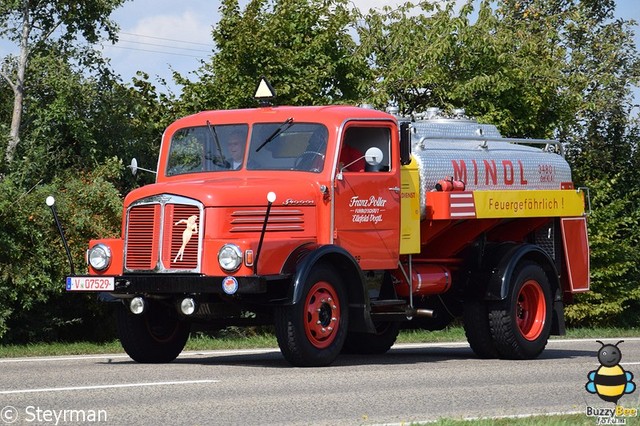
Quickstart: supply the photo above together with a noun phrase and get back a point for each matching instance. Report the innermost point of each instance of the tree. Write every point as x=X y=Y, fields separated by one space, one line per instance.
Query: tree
x=31 y=24
x=81 y=124
x=303 y=47
x=501 y=71
x=78 y=130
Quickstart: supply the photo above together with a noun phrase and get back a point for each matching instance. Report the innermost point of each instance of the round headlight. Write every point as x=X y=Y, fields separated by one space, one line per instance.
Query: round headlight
x=99 y=257
x=230 y=257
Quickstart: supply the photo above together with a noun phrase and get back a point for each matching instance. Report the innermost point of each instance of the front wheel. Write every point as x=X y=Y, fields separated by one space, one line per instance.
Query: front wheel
x=311 y=333
x=521 y=324
x=157 y=335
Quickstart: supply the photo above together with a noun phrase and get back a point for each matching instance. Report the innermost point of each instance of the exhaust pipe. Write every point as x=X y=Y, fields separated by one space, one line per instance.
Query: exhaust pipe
x=430 y=313
x=411 y=312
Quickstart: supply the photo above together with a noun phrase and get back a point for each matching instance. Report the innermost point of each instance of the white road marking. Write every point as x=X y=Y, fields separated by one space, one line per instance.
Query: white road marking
x=61 y=358
x=114 y=386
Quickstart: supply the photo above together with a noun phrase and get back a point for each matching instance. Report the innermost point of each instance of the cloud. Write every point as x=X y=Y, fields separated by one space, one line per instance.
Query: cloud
x=158 y=43
x=186 y=27
x=366 y=5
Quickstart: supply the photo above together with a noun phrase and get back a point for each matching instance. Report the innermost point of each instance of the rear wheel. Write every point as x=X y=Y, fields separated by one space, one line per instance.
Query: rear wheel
x=311 y=333
x=157 y=335
x=477 y=330
x=521 y=324
x=373 y=343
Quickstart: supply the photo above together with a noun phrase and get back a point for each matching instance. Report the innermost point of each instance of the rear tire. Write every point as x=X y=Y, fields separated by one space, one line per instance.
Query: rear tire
x=373 y=343
x=311 y=332
x=157 y=335
x=477 y=329
x=521 y=323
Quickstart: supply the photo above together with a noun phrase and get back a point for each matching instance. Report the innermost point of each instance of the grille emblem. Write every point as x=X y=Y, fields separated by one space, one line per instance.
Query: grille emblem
x=191 y=228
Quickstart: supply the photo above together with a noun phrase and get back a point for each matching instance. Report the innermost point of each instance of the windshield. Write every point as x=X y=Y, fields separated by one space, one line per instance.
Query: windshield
x=211 y=148
x=299 y=146
x=207 y=148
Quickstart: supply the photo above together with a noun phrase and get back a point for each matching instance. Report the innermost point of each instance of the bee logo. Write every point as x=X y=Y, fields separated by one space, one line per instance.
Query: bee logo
x=610 y=381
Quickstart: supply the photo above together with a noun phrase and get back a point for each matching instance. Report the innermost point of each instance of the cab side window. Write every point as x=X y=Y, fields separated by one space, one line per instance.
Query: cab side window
x=357 y=140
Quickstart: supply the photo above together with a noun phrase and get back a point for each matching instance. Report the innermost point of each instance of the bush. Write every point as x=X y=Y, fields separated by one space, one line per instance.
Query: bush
x=614 y=240
x=33 y=263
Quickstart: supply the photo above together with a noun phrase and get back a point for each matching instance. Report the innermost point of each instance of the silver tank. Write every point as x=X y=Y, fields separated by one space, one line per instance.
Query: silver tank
x=460 y=148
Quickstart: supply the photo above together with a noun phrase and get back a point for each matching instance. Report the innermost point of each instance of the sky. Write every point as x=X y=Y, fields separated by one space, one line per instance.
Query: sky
x=161 y=36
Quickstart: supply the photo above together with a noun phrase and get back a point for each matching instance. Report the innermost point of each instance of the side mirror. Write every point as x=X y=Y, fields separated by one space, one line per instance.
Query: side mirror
x=134 y=167
x=373 y=156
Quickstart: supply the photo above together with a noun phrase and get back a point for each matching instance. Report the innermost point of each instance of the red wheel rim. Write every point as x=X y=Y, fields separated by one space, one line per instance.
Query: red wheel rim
x=530 y=310
x=322 y=315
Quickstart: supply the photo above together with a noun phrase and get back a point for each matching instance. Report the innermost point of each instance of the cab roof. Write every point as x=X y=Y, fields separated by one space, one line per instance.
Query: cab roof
x=333 y=115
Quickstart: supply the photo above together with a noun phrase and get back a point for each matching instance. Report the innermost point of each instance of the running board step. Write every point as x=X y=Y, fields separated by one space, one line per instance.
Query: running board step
x=391 y=305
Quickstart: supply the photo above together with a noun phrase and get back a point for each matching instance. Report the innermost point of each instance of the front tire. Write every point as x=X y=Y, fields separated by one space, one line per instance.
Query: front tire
x=311 y=333
x=157 y=335
x=521 y=324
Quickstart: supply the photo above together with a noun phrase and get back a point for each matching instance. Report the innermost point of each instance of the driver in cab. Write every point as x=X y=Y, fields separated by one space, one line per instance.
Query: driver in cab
x=235 y=145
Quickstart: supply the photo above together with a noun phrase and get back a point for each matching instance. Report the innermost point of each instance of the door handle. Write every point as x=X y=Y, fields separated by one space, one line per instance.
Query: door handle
x=395 y=189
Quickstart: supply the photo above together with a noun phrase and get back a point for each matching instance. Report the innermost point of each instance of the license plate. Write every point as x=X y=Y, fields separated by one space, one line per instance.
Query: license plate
x=90 y=284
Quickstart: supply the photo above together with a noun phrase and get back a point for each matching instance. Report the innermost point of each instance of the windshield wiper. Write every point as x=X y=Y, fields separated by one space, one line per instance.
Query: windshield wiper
x=214 y=134
x=284 y=126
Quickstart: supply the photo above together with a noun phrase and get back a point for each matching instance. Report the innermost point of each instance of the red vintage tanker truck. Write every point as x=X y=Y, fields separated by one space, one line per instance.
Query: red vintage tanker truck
x=340 y=225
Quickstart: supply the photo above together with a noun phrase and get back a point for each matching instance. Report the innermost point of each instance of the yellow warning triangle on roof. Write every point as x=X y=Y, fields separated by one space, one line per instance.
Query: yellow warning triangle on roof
x=264 y=91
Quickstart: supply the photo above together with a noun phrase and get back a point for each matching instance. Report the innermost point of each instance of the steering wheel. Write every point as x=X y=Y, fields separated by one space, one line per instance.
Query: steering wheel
x=309 y=160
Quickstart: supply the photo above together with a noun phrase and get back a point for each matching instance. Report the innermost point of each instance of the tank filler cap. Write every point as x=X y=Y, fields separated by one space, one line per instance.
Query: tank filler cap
x=483 y=143
x=432 y=113
x=459 y=113
x=393 y=109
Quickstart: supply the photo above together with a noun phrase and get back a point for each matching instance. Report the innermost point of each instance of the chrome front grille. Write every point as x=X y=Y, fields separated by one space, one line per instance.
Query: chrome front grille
x=142 y=240
x=164 y=234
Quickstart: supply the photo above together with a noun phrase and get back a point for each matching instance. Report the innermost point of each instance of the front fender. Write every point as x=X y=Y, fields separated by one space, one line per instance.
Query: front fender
x=302 y=261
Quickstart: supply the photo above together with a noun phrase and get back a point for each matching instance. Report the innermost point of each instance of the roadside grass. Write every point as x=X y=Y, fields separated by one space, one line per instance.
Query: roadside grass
x=548 y=420
x=248 y=338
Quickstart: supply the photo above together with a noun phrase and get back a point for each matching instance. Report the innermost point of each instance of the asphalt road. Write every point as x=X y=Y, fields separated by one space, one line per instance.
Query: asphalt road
x=410 y=383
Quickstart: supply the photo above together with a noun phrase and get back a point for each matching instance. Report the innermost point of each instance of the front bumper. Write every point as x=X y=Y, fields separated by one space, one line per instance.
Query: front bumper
x=193 y=283
x=187 y=283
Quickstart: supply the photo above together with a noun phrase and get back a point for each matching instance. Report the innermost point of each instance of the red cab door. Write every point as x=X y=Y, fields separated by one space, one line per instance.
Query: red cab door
x=367 y=197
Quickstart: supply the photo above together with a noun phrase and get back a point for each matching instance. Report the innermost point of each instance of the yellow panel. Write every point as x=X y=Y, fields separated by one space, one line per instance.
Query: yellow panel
x=410 y=209
x=529 y=203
